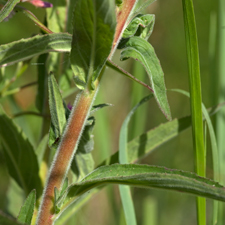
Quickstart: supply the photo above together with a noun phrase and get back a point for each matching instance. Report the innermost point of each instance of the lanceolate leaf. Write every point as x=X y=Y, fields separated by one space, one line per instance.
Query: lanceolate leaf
x=27 y=48
x=7 y=9
x=57 y=110
x=144 y=144
x=142 y=51
x=20 y=157
x=27 y=210
x=147 y=177
x=93 y=31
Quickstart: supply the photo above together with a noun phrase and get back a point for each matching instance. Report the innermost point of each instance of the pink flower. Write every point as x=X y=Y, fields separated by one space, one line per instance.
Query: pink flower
x=39 y=3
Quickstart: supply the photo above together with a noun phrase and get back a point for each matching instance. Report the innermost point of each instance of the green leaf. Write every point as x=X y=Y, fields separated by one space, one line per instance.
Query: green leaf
x=6 y=220
x=141 y=25
x=94 y=25
x=82 y=165
x=57 y=110
x=146 y=177
x=27 y=210
x=140 y=147
x=27 y=48
x=7 y=9
x=144 y=144
x=142 y=51
x=95 y=108
x=195 y=99
x=20 y=157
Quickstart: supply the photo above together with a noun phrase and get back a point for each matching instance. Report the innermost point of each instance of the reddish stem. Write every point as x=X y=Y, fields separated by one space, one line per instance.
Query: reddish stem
x=65 y=154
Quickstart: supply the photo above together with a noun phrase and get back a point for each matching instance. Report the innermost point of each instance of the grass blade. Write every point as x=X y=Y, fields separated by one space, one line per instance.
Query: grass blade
x=196 y=99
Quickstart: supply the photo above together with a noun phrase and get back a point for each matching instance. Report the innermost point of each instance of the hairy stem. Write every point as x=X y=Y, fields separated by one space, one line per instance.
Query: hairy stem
x=72 y=133
x=65 y=153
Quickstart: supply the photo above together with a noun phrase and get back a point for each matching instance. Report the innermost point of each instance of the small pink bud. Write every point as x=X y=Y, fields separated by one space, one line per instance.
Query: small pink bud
x=39 y=3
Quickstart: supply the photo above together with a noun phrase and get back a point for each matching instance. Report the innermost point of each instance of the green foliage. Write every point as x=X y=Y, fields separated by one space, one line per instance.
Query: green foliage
x=20 y=156
x=125 y=193
x=27 y=210
x=7 y=9
x=93 y=31
x=27 y=48
x=145 y=176
x=141 y=50
x=86 y=35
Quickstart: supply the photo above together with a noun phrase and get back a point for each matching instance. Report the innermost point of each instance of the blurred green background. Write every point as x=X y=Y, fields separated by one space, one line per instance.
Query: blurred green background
x=165 y=207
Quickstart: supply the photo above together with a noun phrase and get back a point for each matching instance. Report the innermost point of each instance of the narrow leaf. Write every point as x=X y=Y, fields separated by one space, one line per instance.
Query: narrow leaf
x=20 y=157
x=147 y=177
x=27 y=210
x=142 y=51
x=57 y=110
x=195 y=99
x=7 y=9
x=93 y=32
x=27 y=48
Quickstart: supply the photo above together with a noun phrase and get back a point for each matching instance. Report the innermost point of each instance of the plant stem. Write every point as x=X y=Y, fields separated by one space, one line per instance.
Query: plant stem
x=115 y=67
x=73 y=131
x=65 y=153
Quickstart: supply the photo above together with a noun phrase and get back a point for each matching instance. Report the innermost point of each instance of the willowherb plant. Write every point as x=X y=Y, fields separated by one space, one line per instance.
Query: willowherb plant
x=88 y=32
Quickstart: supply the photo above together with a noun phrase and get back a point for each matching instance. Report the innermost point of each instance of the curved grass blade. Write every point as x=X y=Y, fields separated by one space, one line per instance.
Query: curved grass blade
x=27 y=48
x=125 y=193
x=27 y=210
x=20 y=157
x=94 y=25
x=141 y=50
x=7 y=9
x=146 y=177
